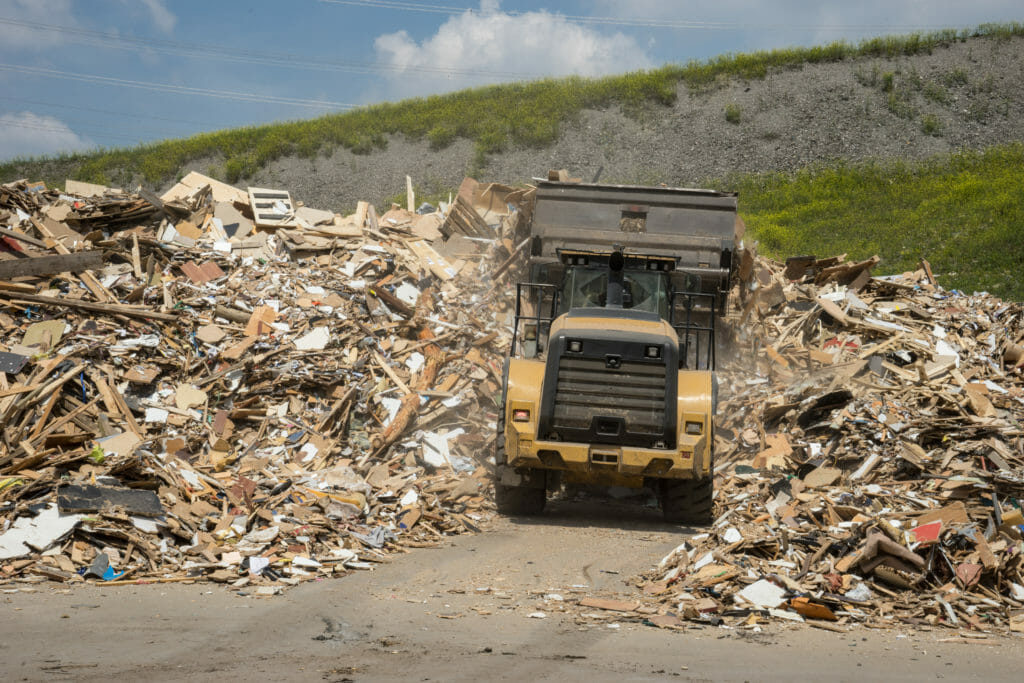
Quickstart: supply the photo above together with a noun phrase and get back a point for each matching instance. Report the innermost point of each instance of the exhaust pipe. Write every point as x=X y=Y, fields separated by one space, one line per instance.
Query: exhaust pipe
x=615 y=281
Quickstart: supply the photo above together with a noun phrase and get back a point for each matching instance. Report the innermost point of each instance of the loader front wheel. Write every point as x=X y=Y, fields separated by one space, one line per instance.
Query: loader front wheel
x=509 y=499
x=687 y=501
x=519 y=500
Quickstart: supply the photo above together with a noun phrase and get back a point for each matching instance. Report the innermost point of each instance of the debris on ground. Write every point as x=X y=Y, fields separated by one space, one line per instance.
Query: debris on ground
x=222 y=384
x=869 y=457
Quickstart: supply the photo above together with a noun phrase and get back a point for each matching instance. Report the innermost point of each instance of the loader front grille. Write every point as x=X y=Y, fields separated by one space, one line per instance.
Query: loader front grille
x=589 y=395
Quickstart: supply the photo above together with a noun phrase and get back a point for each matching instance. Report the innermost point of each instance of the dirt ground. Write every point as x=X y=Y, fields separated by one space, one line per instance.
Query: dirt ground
x=456 y=613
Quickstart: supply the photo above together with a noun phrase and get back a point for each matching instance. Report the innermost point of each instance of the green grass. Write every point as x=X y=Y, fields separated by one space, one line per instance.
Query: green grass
x=936 y=93
x=494 y=118
x=733 y=113
x=930 y=125
x=961 y=212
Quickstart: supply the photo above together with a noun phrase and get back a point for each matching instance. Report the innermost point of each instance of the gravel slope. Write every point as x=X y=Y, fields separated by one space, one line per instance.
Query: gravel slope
x=792 y=118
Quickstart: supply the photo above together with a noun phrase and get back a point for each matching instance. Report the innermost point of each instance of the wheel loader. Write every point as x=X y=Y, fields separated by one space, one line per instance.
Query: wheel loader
x=610 y=375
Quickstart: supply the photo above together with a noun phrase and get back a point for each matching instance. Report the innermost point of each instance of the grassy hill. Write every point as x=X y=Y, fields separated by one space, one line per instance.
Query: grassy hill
x=904 y=146
x=494 y=118
x=964 y=213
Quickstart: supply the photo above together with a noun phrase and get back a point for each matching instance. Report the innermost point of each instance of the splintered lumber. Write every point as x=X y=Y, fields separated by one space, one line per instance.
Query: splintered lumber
x=167 y=432
x=431 y=260
x=109 y=309
x=90 y=281
x=411 y=400
x=897 y=494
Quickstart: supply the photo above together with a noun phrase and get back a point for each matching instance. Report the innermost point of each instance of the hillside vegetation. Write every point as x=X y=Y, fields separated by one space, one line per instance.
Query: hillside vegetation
x=494 y=118
x=964 y=213
x=905 y=147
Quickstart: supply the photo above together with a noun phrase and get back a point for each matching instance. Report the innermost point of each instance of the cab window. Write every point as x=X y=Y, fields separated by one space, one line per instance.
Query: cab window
x=588 y=288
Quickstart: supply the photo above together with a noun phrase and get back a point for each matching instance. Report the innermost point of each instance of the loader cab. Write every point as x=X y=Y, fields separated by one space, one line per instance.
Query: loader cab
x=639 y=283
x=587 y=287
x=613 y=281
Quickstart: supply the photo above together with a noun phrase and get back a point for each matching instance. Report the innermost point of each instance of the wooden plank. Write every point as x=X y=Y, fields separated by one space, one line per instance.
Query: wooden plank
x=136 y=258
x=18 y=287
x=510 y=260
x=392 y=374
x=82 y=189
x=14 y=234
x=54 y=263
x=221 y=192
x=151 y=198
x=431 y=260
x=19 y=390
x=360 y=216
x=117 y=400
x=111 y=309
x=833 y=310
x=49 y=428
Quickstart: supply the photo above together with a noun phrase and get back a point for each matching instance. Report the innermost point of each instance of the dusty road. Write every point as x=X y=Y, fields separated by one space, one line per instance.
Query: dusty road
x=453 y=614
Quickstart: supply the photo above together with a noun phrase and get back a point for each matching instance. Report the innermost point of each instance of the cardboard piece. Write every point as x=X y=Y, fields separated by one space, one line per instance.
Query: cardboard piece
x=260 y=321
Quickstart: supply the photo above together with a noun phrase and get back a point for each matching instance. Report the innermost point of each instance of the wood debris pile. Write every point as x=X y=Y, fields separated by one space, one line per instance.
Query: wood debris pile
x=869 y=461
x=238 y=388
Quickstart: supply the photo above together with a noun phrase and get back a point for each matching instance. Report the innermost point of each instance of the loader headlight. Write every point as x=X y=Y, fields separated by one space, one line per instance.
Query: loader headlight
x=653 y=351
x=694 y=428
x=575 y=346
x=520 y=415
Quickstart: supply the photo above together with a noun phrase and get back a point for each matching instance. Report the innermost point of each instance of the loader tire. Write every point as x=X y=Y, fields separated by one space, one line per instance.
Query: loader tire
x=519 y=500
x=513 y=500
x=687 y=501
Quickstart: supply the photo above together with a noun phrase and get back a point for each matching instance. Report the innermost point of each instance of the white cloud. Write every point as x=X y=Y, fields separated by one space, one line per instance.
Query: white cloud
x=689 y=30
x=38 y=11
x=829 y=20
x=162 y=17
x=491 y=46
x=61 y=12
x=28 y=134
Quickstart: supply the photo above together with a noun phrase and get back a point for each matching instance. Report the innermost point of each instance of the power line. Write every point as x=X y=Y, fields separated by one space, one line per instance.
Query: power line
x=244 y=56
x=176 y=89
x=105 y=125
x=55 y=129
x=638 y=22
x=204 y=124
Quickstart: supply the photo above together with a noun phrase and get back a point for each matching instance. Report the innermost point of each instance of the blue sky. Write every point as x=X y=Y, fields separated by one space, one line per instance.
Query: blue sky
x=76 y=74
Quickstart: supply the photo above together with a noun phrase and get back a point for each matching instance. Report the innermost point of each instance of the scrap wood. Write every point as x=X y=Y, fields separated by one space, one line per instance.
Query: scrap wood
x=90 y=281
x=111 y=309
x=21 y=237
x=149 y=382
x=892 y=491
x=47 y=265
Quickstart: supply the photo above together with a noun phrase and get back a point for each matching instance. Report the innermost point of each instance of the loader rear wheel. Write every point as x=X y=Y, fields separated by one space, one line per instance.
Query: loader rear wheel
x=514 y=500
x=687 y=501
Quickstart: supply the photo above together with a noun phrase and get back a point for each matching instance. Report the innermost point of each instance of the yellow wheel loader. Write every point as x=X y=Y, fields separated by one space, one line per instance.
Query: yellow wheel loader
x=610 y=375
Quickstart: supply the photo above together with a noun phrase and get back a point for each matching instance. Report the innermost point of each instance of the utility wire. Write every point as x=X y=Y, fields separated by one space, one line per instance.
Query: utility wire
x=620 y=21
x=55 y=129
x=244 y=56
x=176 y=89
x=106 y=125
x=111 y=112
